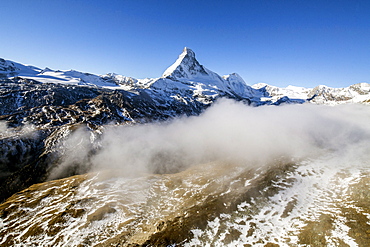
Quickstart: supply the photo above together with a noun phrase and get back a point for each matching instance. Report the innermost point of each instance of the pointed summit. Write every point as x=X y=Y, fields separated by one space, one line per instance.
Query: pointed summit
x=189 y=52
x=185 y=67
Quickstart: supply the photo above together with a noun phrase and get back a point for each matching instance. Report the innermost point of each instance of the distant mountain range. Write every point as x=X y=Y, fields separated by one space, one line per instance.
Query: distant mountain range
x=188 y=80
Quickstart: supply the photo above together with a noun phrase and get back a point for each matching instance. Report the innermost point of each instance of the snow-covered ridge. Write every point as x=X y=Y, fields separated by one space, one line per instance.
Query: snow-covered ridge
x=186 y=77
x=10 y=69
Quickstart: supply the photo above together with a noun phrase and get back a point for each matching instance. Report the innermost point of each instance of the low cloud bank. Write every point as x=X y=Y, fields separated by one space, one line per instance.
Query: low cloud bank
x=233 y=132
x=27 y=130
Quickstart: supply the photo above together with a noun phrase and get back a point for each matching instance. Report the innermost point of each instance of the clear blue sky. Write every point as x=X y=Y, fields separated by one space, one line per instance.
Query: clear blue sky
x=302 y=43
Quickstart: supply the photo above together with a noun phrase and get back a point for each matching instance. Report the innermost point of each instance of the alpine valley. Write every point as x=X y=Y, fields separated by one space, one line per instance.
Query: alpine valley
x=188 y=159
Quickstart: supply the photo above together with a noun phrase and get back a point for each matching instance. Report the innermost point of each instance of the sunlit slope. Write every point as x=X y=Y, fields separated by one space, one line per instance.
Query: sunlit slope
x=310 y=203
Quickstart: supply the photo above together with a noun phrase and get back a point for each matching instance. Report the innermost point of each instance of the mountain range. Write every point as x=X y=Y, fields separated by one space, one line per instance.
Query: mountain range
x=188 y=79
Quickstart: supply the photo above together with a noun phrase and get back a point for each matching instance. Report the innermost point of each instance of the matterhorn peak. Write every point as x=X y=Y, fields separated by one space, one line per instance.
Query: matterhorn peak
x=185 y=67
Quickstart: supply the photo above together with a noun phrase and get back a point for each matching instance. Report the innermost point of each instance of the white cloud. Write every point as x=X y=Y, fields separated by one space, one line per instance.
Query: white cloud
x=233 y=132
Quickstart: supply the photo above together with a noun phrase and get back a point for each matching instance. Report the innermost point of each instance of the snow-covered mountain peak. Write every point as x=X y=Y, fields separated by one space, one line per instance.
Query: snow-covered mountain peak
x=188 y=52
x=46 y=70
x=186 y=67
x=234 y=78
x=363 y=86
x=259 y=85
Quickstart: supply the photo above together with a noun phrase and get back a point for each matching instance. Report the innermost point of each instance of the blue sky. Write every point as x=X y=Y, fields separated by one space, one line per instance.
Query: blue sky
x=302 y=43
